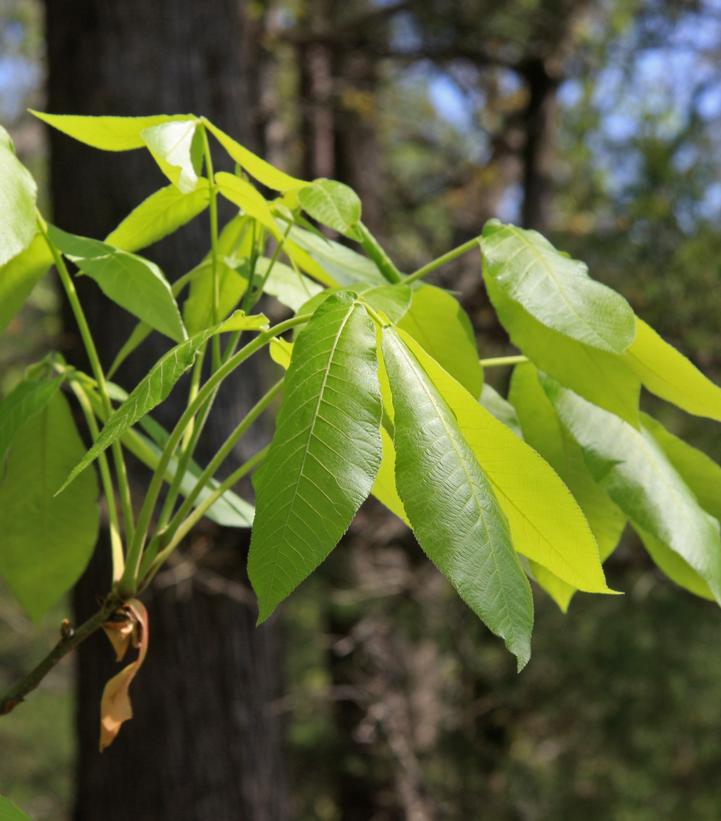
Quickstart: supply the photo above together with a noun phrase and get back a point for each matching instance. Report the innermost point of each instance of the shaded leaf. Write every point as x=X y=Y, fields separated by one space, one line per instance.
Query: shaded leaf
x=342 y=265
x=46 y=539
x=28 y=398
x=451 y=505
x=134 y=283
x=147 y=394
x=503 y=410
x=555 y=289
x=9 y=812
x=198 y=307
x=324 y=454
x=289 y=287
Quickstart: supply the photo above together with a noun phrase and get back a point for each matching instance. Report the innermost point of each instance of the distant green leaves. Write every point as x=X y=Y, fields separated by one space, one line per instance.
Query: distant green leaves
x=133 y=282
x=325 y=452
x=667 y=373
x=333 y=204
x=107 y=133
x=17 y=202
x=177 y=151
x=46 y=540
x=451 y=505
x=147 y=394
x=439 y=323
x=633 y=469
x=160 y=214
x=555 y=289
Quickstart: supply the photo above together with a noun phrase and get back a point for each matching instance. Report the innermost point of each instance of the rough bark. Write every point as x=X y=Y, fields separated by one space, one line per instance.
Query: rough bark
x=205 y=743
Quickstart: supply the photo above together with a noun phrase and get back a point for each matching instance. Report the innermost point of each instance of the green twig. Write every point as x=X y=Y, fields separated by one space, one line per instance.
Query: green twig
x=498 y=361
x=442 y=260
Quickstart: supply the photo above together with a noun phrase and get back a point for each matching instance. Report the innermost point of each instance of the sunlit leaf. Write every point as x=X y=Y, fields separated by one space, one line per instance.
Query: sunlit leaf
x=107 y=133
x=603 y=378
x=263 y=171
x=18 y=223
x=555 y=289
x=636 y=473
x=546 y=523
x=437 y=320
x=19 y=276
x=160 y=214
x=172 y=145
x=667 y=373
x=542 y=429
x=332 y=204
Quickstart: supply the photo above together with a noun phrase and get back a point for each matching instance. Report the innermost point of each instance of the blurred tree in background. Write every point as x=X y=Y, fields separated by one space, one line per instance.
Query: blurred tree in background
x=596 y=121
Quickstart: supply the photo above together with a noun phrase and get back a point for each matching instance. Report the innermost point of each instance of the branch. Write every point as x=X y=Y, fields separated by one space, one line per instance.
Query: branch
x=69 y=641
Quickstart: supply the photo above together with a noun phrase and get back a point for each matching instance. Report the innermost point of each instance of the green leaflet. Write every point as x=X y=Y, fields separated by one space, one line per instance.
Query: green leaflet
x=603 y=378
x=384 y=487
x=19 y=276
x=28 y=398
x=555 y=289
x=241 y=193
x=107 y=133
x=636 y=473
x=324 y=454
x=176 y=148
x=543 y=431
x=289 y=287
x=439 y=323
x=198 y=308
x=546 y=523
x=667 y=373
x=9 y=812
x=263 y=171
x=160 y=214
x=230 y=510
x=673 y=566
x=503 y=410
x=46 y=539
x=393 y=300
x=132 y=282
x=17 y=202
x=333 y=204
x=451 y=505
x=152 y=389
x=342 y=265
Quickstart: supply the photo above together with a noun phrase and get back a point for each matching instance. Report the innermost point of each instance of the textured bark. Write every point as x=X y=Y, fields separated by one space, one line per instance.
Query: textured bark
x=205 y=744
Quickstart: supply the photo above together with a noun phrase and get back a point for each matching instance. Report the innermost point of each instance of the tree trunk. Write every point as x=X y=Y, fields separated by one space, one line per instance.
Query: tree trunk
x=539 y=122
x=206 y=742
